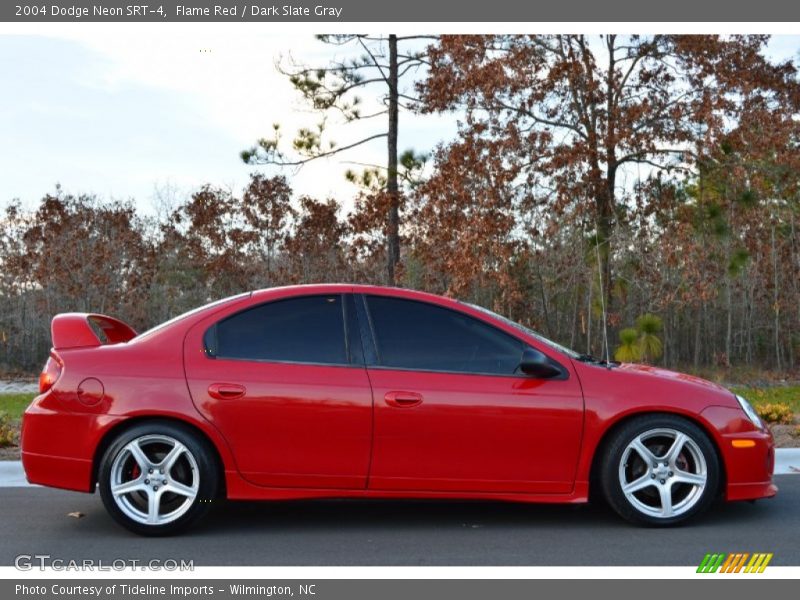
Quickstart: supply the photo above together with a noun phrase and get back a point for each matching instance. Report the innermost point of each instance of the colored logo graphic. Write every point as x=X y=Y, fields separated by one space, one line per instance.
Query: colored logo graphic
x=735 y=562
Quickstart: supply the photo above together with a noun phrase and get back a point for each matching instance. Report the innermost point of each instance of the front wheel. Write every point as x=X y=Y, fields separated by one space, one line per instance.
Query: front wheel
x=660 y=470
x=156 y=478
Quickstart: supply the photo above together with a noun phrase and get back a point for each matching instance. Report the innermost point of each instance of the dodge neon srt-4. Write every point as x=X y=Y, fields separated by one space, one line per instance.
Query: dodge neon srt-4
x=356 y=391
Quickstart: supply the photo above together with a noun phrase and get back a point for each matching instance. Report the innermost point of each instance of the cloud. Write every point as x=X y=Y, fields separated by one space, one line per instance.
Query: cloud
x=219 y=91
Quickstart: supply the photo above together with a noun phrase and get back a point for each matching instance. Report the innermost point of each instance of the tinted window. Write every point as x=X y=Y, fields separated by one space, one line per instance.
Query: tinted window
x=308 y=329
x=416 y=335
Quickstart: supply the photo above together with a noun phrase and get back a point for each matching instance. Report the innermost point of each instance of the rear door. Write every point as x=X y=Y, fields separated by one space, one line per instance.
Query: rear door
x=453 y=414
x=287 y=387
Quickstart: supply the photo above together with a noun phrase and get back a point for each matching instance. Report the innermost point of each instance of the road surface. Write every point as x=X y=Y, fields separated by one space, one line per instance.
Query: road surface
x=357 y=532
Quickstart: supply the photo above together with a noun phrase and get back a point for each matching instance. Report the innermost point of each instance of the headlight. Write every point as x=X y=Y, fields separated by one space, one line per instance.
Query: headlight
x=750 y=412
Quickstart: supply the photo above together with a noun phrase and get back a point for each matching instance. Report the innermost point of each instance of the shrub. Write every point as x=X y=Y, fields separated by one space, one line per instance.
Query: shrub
x=775 y=412
x=649 y=326
x=640 y=342
x=628 y=350
x=8 y=431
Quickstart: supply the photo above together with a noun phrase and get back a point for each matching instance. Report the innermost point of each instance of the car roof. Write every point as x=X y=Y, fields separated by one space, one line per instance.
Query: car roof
x=325 y=288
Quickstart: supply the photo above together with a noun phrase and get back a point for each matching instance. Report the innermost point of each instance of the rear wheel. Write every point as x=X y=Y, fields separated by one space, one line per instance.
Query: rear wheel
x=660 y=470
x=157 y=478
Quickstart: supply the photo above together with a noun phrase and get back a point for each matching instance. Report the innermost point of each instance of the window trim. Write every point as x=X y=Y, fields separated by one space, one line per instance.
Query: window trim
x=348 y=355
x=368 y=338
x=378 y=365
x=355 y=343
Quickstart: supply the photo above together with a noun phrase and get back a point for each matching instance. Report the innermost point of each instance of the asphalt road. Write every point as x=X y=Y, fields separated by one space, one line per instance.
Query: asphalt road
x=356 y=532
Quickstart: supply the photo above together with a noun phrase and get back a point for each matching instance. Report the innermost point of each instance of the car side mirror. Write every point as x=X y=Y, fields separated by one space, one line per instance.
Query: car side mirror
x=536 y=364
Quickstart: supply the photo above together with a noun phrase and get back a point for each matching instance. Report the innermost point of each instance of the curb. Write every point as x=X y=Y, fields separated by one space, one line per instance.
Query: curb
x=787 y=461
x=12 y=475
x=18 y=387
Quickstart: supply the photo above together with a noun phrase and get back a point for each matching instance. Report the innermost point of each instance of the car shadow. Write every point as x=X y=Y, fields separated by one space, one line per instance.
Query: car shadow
x=357 y=514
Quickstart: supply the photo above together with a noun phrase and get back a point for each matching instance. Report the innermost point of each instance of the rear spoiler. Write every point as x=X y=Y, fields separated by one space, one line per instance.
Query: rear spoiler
x=85 y=330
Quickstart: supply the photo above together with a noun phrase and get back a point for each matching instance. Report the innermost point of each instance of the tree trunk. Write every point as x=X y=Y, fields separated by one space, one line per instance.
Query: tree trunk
x=775 y=300
x=589 y=315
x=392 y=187
x=697 y=335
x=728 y=288
x=605 y=228
x=607 y=206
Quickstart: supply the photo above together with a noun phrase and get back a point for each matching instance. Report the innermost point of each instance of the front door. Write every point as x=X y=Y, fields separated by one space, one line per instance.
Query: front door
x=451 y=414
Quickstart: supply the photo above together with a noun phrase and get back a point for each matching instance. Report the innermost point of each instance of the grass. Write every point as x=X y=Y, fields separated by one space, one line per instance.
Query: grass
x=778 y=394
x=14 y=404
x=741 y=375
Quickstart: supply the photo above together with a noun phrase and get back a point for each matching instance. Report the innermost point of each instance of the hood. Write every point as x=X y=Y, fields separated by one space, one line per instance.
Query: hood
x=666 y=374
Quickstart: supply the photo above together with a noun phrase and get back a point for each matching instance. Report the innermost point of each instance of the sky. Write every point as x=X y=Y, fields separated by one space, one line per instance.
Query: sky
x=129 y=114
x=134 y=113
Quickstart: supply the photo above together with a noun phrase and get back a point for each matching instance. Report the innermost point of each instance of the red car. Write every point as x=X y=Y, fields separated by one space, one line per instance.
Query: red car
x=360 y=391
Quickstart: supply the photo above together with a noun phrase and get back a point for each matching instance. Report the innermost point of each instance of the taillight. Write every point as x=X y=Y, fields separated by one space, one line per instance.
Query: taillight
x=50 y=374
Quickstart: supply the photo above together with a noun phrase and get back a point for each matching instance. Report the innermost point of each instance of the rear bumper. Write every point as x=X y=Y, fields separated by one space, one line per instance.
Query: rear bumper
x=58 y=447
x=58 y=471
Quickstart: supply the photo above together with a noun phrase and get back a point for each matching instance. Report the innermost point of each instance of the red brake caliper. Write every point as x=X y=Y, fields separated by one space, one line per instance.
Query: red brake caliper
x=682 y=463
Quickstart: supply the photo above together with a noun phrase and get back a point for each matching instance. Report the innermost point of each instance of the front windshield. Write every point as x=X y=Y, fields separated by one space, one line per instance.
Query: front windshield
x=531 y=332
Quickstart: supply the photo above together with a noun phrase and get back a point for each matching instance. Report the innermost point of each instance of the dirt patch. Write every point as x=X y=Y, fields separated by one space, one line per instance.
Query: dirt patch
x=12 y=452
x=785 y=435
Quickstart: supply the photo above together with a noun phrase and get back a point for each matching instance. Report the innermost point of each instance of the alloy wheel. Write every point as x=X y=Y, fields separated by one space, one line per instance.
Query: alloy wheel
x=663 y=473
x=154 y=479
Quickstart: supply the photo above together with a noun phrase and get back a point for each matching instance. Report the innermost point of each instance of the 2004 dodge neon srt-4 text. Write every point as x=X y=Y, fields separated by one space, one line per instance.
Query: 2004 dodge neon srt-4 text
x=361 y=391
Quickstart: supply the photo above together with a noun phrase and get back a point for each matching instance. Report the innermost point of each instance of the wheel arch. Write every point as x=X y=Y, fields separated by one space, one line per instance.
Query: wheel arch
x=616 y=425
x=117 y=429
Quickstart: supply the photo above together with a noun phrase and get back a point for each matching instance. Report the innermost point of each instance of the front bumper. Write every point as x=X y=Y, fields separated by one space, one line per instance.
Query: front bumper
x=750 y=469
x=747 y=453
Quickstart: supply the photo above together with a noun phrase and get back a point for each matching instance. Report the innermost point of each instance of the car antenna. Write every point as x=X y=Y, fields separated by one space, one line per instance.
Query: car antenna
x=602 y=298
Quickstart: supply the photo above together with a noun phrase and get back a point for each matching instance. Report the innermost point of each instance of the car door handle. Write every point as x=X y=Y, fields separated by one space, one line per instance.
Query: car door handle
x=403 y=399
x=226 y=391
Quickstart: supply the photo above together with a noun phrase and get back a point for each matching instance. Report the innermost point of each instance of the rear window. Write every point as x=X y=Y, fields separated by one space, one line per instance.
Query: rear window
x=194 y=311
x=309 y=329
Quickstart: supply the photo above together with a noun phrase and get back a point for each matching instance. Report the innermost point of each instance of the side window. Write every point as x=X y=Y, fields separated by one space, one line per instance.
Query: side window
x=421 y=336
x=309 y=329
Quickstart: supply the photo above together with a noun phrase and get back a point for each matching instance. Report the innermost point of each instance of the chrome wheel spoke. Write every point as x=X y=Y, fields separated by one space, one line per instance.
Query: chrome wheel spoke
x=638 y=484
x=643 y=451
x=690 y=478
x=181 y=489
x=171 y=458
x=676 y=448
x=136 y=485
x=138 y=455
x=665 y=493
x=153 y=502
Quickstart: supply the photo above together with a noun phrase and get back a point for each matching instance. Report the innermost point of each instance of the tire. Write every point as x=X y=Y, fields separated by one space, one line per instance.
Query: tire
x=158 y=477
x=665 y=483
